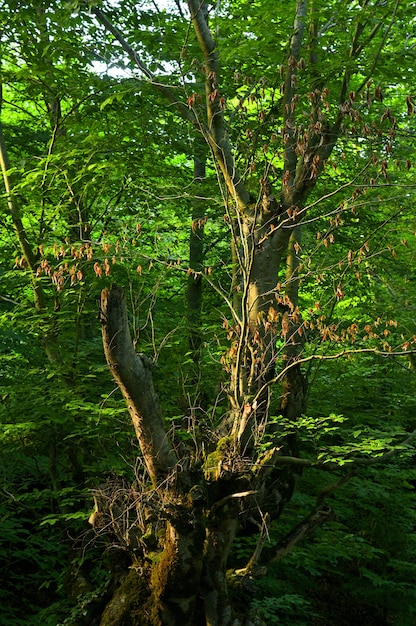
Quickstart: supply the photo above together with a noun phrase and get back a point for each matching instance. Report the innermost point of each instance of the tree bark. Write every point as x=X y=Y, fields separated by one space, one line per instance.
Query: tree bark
x=133 y=374
x=196 y=261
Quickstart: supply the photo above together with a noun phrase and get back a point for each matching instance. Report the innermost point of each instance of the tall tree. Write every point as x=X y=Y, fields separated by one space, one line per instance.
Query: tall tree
x=213 y=496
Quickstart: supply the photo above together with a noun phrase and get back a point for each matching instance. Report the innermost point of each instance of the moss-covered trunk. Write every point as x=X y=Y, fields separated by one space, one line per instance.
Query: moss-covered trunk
x=178 y=570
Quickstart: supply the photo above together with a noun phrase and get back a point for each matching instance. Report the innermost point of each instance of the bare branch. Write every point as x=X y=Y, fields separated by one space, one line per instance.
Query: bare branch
x=255 y=568
x=381 y=46
x=316 y=518
x=327 y=357
x=325 y=491
x=167 y=92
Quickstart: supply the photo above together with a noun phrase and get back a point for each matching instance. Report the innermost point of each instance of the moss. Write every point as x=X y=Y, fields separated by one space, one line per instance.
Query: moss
x=127 y=606
x=225 y=444
x=150 y=539
x=213 y=462
x=155 y=556
x=175 y=577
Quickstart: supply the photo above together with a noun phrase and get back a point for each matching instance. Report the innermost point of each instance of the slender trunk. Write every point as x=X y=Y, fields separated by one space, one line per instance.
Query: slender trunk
x=196 y=261
x=28 y=254
x=77 y=211
x=29 y=258
x=294 y=384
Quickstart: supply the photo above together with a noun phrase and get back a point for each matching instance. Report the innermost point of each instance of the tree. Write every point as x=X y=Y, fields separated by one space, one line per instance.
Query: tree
x=277 y=133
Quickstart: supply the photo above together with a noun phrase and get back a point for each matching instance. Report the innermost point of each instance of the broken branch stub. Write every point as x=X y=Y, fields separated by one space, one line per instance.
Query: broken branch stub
x=134 y=378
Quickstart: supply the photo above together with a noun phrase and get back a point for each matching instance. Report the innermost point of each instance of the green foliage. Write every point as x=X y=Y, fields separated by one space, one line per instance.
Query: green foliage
x=103 y=176
x=361 y=561
x=285 y=609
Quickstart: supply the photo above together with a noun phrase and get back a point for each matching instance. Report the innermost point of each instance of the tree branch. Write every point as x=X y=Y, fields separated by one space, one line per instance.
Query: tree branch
x=316 y=518
x=381 y=46
x=320 y=515
x=326 y=357
x=289 y=126
x=257 y=567
x=166 y=91
x=216 y=135
x=132 y=373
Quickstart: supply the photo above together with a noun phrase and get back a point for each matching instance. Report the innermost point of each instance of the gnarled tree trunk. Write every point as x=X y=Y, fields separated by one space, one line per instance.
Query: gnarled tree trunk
x=186 y=512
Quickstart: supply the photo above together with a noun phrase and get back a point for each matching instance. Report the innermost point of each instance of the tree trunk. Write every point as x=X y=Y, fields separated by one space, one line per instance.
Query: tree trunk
x=178 y=523
x=196 y=261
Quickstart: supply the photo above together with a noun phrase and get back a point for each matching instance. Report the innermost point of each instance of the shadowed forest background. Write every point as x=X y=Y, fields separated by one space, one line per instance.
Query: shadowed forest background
x=207 y=313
